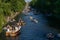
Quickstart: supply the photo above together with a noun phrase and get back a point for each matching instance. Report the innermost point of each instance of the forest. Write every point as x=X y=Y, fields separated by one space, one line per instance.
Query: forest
x=47 y=7
x=8 y=8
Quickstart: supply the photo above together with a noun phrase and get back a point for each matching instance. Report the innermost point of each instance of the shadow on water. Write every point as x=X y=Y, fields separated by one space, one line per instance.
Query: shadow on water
x=2 y=35
x=12 y=38
x=54 y=22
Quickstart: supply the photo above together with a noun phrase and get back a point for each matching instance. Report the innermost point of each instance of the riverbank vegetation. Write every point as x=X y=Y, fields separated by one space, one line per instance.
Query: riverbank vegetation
x=48 y=7
x=9 y=8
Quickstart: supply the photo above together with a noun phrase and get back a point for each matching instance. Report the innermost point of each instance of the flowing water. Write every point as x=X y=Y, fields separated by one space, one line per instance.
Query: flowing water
x=34 y=31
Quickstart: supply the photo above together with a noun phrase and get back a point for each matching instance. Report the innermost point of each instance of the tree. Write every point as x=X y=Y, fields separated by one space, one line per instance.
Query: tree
x=9 y=7
x=48 y=6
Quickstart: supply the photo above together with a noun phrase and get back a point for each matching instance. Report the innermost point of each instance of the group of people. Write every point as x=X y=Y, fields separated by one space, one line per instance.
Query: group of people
x=16 y=27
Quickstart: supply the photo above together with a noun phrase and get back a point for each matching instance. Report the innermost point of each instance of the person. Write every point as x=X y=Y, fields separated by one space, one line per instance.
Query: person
x=17 y=24
x=16 y=28
x=50 y=36
x=35 y=21
x=19 y=27
x=31 y=18
x=12 y=20
x=8 y=28
x=20 y=20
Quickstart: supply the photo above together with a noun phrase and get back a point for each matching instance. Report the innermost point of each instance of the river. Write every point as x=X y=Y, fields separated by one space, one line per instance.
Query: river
x=34 y=31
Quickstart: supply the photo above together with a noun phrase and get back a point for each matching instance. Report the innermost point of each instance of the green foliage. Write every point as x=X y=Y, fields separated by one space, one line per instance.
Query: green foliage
x=8 y=7
x=17 y=5
x=48 y=6
x=2 y=20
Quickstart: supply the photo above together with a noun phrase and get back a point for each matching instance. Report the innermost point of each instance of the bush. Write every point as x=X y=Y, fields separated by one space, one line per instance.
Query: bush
x=8 y=6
